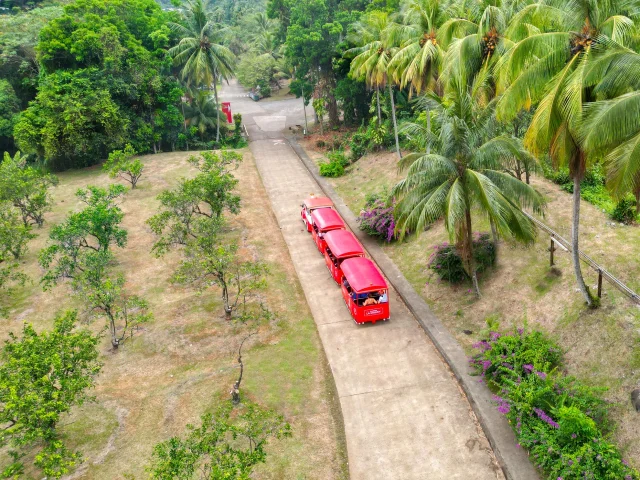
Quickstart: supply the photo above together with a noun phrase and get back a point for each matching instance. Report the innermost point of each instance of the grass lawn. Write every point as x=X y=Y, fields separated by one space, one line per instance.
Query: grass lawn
x=602 y=346
x=183 y=362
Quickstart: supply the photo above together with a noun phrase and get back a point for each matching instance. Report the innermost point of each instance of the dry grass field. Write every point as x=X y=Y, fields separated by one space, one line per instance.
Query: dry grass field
x=183 y=362
x=602 y=346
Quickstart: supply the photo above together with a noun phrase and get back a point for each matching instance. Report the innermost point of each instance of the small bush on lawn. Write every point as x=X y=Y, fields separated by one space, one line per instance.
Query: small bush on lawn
x=358 y=145
x=376 y=218
x=562 y=422
x=625 y=210
x=335 y=166
x=446 y=261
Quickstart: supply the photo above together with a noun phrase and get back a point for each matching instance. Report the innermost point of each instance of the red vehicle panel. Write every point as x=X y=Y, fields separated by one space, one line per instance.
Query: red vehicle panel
x=324 y=220
x=311 y=204
x=341 y=244
x=364 y=290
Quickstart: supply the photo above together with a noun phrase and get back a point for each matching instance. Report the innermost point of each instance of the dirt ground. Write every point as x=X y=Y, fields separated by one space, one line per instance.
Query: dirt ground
x=602 y=346
x=183 y=362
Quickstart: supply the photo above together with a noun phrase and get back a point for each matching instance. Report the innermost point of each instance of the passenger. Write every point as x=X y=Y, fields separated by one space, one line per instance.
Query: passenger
x=383 y=297
x=370 y=300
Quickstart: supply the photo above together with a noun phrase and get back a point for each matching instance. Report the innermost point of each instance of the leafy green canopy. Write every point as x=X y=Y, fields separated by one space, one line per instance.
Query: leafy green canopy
x=83 y=234
x=26 y=188
x=106 y=81
x=228 y=444
x=42 y=376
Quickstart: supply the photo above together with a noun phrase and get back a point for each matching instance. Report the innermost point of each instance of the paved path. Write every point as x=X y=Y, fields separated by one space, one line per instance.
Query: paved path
x=404 y=414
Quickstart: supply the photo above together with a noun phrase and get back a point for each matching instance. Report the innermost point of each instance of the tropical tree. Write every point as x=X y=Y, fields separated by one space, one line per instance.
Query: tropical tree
x=555 y=44
x=611 y=126
x=42 y=377
x=26 y=188
x=227 y=444
x=203 y=112
x=372 y=57
x=203 y=60
x=422 y=45
x=83 y=234
x=465 y=173
x=122 y=164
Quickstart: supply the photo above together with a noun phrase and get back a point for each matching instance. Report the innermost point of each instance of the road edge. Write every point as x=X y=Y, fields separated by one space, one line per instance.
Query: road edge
x=513 y=460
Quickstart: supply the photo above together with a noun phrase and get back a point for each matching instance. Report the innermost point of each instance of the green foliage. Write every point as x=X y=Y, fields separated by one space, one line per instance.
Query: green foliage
x=625 y=210
x=357 y=146
x=26 y=188
x=121 y=164
x=195 y=206
x=42 y=377
x=336 y=164
x=563 y=423
x=229 y=443
x=594 y=191
x=73 y=122
x=92 y=230
x=105 y=297
x=203 y=113
x=104 y=82
x=215 y=184
x=14 y=234
x=9 y=108
x=448 y=264
x=208 y=263
x=257 y=72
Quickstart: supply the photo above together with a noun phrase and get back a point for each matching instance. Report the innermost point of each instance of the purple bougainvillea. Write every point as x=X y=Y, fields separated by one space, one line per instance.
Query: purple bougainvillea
x=377 y=219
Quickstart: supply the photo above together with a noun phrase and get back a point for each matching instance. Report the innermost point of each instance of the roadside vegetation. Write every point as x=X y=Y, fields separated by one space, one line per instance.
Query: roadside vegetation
x=182 y=363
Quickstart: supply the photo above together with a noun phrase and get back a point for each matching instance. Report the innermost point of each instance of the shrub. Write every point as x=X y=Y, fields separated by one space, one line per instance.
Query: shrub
x=562 y=422
x=446 y=260
x=358 y=146
x=320 y=144
x=625 y=210
x=376 y=219
x=336 y=164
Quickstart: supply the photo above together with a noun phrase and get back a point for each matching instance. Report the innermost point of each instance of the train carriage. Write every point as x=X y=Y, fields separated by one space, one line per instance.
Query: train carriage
x=364 y=290
x=341 y=244
x=324 y=220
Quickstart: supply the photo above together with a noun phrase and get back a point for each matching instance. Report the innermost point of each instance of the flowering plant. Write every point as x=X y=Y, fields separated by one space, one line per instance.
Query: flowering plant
x=376 y=218
x=562 y=422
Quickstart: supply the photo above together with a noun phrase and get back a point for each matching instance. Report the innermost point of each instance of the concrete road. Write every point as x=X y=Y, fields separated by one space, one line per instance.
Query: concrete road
x=405 y=416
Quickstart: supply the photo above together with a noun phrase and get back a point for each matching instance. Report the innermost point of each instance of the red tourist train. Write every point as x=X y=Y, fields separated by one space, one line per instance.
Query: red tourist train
x=341 y=244
x=311 y=204
x=364 y=289
x=324 y=220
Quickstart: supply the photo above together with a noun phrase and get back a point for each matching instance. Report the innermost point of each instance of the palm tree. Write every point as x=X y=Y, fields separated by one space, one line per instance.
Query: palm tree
x=418 y=60
x=202 y=112
x=372 y=57
x=464 y=174
x=554 y=46
x=612 y=125
x=203 y=60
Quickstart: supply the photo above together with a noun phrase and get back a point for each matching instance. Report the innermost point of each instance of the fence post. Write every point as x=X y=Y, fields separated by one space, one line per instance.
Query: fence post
x=551 y=250
x=599 y=283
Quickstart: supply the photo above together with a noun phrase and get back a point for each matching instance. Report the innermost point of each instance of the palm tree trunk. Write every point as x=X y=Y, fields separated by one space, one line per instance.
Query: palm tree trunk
x=215 y=93
x=575 y=255
x=378 y=102
x=428 y=129
x=469 y=253
x=494 y=234
x=395 y=125
x=637 y=202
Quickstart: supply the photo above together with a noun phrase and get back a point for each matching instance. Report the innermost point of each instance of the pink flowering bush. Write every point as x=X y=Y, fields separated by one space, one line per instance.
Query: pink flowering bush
x=376 y=219
x=562 y=422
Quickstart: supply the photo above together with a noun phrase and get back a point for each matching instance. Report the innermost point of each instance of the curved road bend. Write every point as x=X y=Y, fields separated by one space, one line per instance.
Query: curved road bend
x=405 y=417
